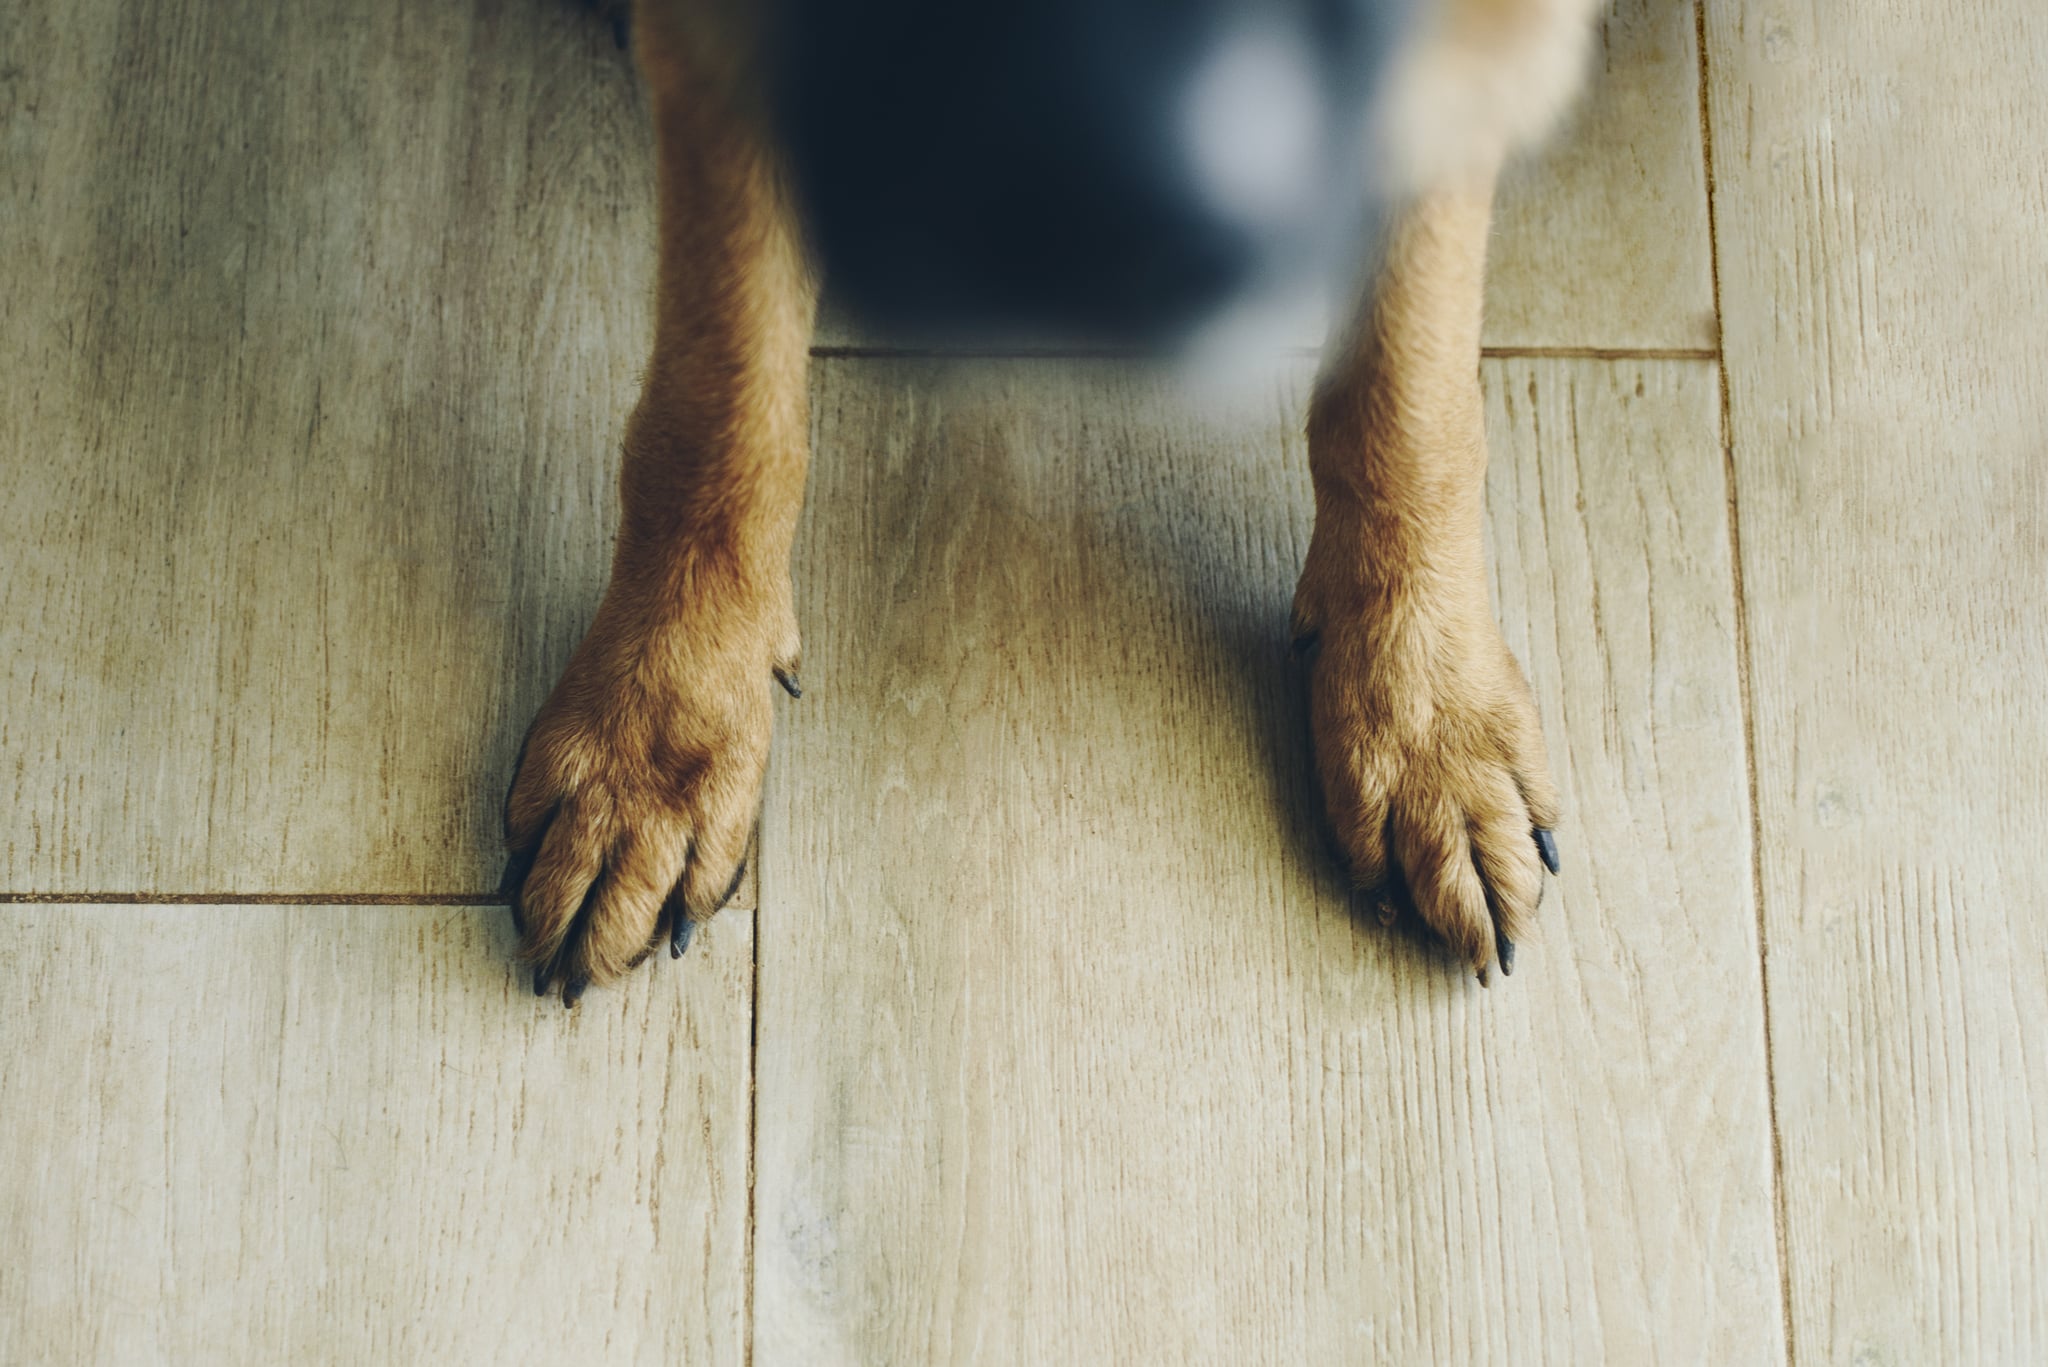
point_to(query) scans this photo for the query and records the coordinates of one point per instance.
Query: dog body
(637, 789)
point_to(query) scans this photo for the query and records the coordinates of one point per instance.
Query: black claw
(1546, 847)
(540, 982)
(789, 683)
(1393, 903)
(572, 990)
(509, 885)
(1485, 978)
(681, 927)
(1507, 955)
(732, 887)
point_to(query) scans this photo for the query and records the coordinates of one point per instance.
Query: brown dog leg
(1427, 744)
(640, 780)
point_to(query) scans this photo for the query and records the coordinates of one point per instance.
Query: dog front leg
(639, 784)
(1427, 745)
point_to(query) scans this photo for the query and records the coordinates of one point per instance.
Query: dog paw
(1432, 767)
(638, 789)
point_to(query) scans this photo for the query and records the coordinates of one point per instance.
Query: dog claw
(789, 683)
(572, 991)
(1507, 955)
(1546, 847)
(679, 935)
(540, 982)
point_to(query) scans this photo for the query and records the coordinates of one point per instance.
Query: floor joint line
(1780, 1221)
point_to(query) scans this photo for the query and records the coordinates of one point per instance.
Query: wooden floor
(1048, 1035)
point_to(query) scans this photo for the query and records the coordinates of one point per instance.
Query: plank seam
(753, 1099)
(1556, 353)
(1746, 693)
(261, 899)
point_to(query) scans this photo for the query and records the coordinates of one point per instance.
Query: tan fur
(642, 773)
(1428, 749)
(1427, 746)
(641, 777)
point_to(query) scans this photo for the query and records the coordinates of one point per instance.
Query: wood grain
(320, 368)
(1601, 238)
(244, 1134)
(1071, 1047)
(319, 329)
(1881, 196)
(316, 333)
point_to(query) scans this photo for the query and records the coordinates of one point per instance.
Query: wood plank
(244, 1134)
(1602, 238)
(324, 444)
(1883, 227)
(1071, 1046)
(319, 329)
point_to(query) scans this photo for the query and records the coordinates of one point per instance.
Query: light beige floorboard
(310, 496)
(317, 328)
(1601, 239)
(1883, 227)
(1070, 1048)
(241, 1134)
